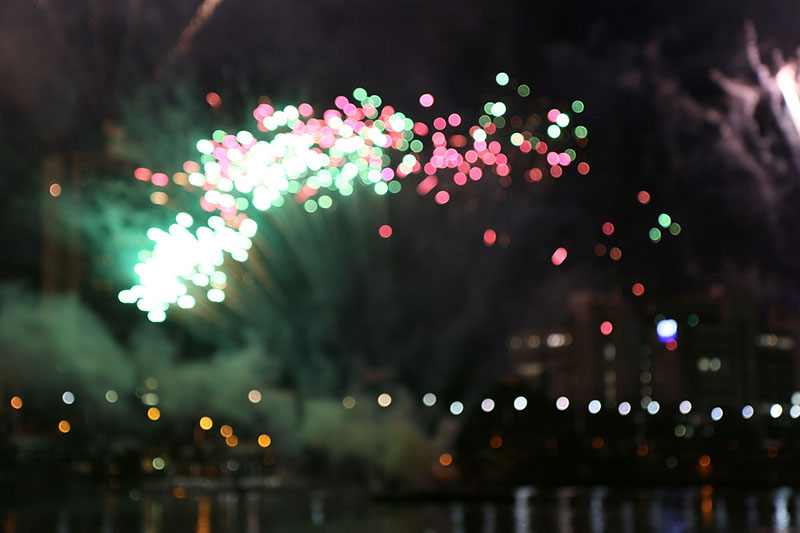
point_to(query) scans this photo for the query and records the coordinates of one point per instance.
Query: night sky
(96, 82)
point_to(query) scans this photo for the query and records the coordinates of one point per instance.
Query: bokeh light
(594, 407)
(562, 403)
(385, 231)
(559, 256)
(426, 100)
(520, 403)
(384, 400)
(429, 399)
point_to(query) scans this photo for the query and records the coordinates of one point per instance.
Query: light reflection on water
(531, 510)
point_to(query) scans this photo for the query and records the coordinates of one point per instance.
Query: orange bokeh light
(16, 402)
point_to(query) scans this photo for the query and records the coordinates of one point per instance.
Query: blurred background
(395, 266)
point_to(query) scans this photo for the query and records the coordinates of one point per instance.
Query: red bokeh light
(559, 256)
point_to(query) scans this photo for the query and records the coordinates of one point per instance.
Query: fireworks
(361, 142)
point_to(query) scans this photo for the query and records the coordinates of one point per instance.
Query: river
(528, 510)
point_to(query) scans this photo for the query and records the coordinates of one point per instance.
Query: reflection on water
(531, 510)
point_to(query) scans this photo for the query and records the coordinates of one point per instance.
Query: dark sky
(71, 71)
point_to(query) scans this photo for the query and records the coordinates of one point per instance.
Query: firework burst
(316, 160)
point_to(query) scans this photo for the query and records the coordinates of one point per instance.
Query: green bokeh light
(655, 234)
(501, 79)
(664, 220)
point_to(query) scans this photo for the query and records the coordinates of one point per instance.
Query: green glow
(381, 188)
(664, 220)
(218, 135)
(523, 90)
(395, 186)
(693, 320)
(484, 120)
(675, 228)
(501, 79)
(500, 122)
(553, 131)
(310, 205)
(498, 109)
(325, 201)
(487, 107)
(479, 135)
(581, 132)
(571, 153)
(416, 146)
(577, 106)
(655, 234)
